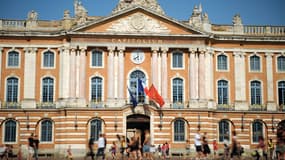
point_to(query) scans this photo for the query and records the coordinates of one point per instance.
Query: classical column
(271, 106)
(110, 95)
(209, 77)
(201, 76)
(121, 74)
(29, 78)
(82, 77)
(1, 49)
(64, 75)
(73, 74)
(164, 73)
(240, 81)
(154, 66)
(194, 86)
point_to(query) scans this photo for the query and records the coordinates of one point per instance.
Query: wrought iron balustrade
(225, 107)
(96, 104)
(46, 105)
(257, 107)
(11, 105)
(178, 105)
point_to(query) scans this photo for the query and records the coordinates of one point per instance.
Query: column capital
(1, 49)
(30, 49)
(164, 49)
(154, 48)
(268, 54)
(111, 48)
(121, 48)
(239, 54)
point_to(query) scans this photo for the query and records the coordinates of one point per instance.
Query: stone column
(121, 75)
(1, 49)
(154, 66)
(271, 106)
(82, 78)
(64, 76)
(201, 76)
(110, 95)
(73, 75)
(240, 81)
(164, 73)
(29, 78)
(209, 79)
(194, 96)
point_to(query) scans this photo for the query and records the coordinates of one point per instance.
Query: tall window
(97, 59)
(48, 59)
(177, 93)
(13, 59)
(10, 131)
(46, 131)
(48, 89)
(12, 90)
(224, 130)
(255, 92)
(254, 63)
(257, 131)
(179, 130)
(95, 128)
(96, 89)
(222, 62)
(177, 60)
(281, 93)
(281, 63)
(134, 77)
(223, 92)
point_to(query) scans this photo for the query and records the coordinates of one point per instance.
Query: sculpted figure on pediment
(32, 16)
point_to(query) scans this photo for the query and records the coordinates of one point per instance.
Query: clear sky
(253, 12)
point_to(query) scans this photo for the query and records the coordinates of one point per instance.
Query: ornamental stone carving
(138, 22)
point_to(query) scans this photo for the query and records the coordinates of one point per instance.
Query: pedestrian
(215, 147)
(159, 151)
(270, 148)
(146, 145)
(167, 149)
(36, 147)
(31, 146)
(262, 147)
(101, 146)
(163, 150)
(91, 148)
(19, 154)
(205, 146)
(226, 147)
(114, 150)
(198, 144)
(133, 147)
(123, 146)
(69, 153)
(235, 153)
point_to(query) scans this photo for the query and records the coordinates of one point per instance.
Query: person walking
(270, 148)
(101, 146)
(198, 144)
(215, 148)
(36, 147)
(69, 153)
(91, 148)
(205, 146)
(114, 150)
(31, 146)
(146, 146)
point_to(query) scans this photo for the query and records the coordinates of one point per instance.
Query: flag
(142, 87)
(133, 99)
(155, 96)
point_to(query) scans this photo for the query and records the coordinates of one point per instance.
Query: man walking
(101, 147)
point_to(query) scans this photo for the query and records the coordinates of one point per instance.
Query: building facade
(68, 80)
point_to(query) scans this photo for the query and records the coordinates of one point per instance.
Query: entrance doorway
(136, 125)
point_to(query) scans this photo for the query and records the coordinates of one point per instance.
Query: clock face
(137, 56)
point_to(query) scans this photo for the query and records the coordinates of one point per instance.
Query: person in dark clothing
(36, 147)
(31, 146)
(91, 148)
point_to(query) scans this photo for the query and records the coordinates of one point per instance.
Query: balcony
(96, 104)
(282, 107)
(46, 105)
(257, 107)
(225, 107)
(11, 105)
(177, 105)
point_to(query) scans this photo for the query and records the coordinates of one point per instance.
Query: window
(97, 59)
(134, 77)
(12, 90)
(179, 130)
(13, 59)
(46, 131)
(177, 93)
(281, 63)
(254, 63)
(281, 93)
(224, 130)
(48, 59)
(177, 60)
(96, 89)
(255, 88)
(222, 62)
(10, 131)
(222, 92)
(257, 131)
(47, 90)
(95, 128)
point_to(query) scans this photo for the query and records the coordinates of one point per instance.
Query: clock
(137, 56)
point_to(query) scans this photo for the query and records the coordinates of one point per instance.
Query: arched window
(281, 63)
(134, 77)
(10, 131)
(222, 62)
(13, 59)
(223, 95)
(179, 130)
(48, 59)
(95, 129)
(46, 131)
(177, 91)
(177, 59)
(281, 93)
(257, 131)
(254, 63)
(224, 130)
(96, 89)
(12, 90)
(255, 92)
(97, 58)
(47, 90)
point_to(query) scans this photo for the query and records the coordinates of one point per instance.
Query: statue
(80, 12)
(66, 14)
(32, 16)
(237, 20)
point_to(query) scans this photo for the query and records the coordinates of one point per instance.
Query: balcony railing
(178, 105)
(225, 107)
(282, 107)
(94, 104)
(11, 105)
(46, 105)
(257, 107)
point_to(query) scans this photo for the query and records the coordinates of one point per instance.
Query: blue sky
(254, 12)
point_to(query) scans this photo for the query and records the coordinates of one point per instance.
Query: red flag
(154, 95)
